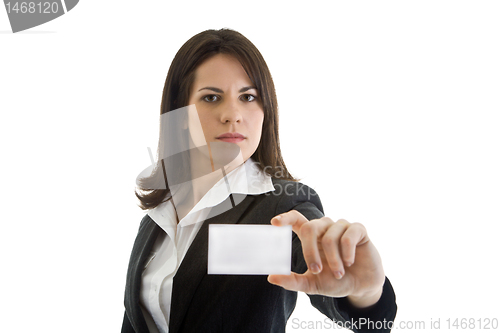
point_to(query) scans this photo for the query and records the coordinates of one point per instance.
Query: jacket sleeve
(126, 326)
(379, 317)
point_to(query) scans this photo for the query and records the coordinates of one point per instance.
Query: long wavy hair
(178, 84)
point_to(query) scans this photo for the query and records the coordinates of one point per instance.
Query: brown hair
(176, 91)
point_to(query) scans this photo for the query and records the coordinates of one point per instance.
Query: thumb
(294, 281)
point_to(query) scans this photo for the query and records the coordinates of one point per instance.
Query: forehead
(222, 69)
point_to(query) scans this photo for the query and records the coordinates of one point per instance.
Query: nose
(230, 113)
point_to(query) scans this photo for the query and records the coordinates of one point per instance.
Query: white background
(389, 109)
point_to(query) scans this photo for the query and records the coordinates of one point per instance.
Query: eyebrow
(220, 91)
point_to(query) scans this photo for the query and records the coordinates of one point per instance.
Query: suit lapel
(143, 245)
(194, 265)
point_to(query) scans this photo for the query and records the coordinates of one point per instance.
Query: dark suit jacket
(238, 303)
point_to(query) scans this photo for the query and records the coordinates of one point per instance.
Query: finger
(293, 218)
(354, 235)
(294, 281)
(310, 233)
(332, 249)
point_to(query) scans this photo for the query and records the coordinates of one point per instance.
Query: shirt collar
(245, 179)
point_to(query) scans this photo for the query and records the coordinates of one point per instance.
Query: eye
(248, 97)
(211, 98)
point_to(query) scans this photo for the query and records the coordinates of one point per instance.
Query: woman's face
(228, 104)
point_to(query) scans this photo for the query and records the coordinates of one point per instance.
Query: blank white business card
(249, 249)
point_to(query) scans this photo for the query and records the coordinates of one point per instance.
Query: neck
(189, 193)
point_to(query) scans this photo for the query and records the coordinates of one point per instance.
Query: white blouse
(171, 246)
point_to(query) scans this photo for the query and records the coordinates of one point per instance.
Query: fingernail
(338, 275)
(314, 268)
(278, 217)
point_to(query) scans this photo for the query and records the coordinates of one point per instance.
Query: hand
(341, 260)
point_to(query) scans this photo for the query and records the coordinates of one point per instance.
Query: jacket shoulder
(298, 196)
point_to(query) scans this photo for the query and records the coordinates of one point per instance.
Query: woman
(224, 80)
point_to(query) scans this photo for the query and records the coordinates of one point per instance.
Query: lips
(231, 137)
